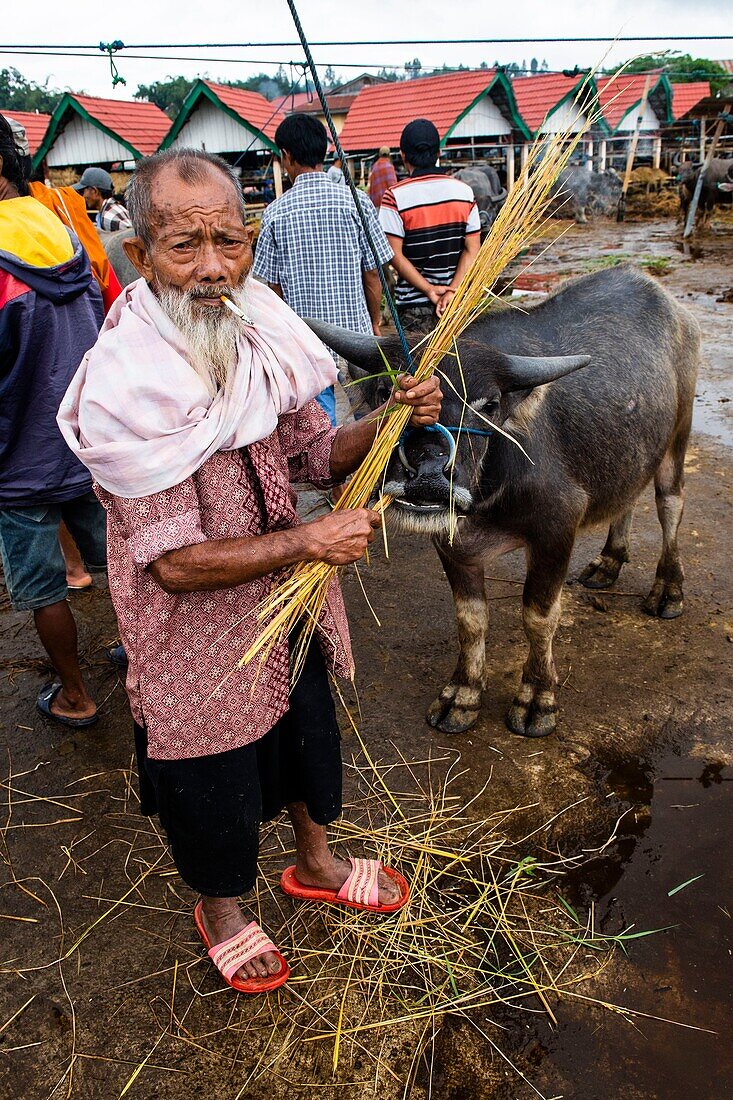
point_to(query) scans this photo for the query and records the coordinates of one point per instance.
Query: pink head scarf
(140, 418)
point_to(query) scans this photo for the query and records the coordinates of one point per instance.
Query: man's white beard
(210, 334)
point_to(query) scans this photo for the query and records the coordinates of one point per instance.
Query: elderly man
(194, 421)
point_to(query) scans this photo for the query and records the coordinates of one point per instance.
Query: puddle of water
(679, 828)
(712, 412)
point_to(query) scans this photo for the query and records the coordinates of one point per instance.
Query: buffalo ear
(524, 372)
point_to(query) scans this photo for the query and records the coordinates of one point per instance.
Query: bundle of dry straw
(300, 597)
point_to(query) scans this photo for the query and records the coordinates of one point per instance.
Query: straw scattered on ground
(487, 925)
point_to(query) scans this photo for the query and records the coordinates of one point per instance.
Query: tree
(25, 95)
(167, 94)
(681, 68)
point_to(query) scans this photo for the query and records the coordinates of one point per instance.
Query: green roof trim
(201, 90)
(593, 104)
(663, 86)
(504, 83)
(55, 126)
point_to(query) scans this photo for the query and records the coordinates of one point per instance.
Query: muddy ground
(644, 735)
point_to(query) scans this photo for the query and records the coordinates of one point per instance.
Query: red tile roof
(381, 111)
(685, 96)
(35, 125)
(142, 125)
(618, 95)
(298, 99)
(337, 104)
(536, 96)
(727, 65)
(263, 114)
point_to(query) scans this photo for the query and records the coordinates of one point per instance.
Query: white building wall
(649, 119)
(483, 120)
(82, 143)
(566, 117)
(210, 129)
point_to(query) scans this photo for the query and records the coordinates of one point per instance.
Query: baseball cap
(95, 177)
(420, 136)
(20, 140)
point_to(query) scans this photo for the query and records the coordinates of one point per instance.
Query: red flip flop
(229, 955)
(360, 891)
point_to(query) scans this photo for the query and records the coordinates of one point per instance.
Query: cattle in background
(597, 382)
(112, 244)
(487, 190)
(716, 188)
(579, 192)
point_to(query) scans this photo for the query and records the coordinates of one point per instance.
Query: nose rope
(447, 431)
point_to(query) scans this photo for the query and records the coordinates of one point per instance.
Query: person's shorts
(34, 567)
(211, 807)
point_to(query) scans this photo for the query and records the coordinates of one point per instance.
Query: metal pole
(690, 223)
(352, 187)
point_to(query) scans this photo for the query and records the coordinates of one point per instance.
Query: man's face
(200, 244)
(92, 198)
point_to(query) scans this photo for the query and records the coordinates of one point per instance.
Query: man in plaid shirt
(312, 249)
(97, 189)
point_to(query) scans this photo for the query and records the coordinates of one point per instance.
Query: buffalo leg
(457, 706)
(665, 598)
(603, 571)
(532, 714)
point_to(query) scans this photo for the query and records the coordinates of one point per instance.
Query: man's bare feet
(331, 873)
(222, 918)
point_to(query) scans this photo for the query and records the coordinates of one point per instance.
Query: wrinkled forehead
(208, 199)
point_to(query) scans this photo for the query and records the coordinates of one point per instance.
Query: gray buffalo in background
(717, 185)
(487, 190)
(579, 192)
(597, 383)
(112, 244)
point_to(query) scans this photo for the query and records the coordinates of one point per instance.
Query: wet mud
(643, 754)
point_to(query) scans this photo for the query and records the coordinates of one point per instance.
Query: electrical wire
(426, 70)
(386, 42)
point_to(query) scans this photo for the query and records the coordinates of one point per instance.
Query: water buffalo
(487, 190)
(116, 255)
(716, 187)
(579, 192)
(597, 383)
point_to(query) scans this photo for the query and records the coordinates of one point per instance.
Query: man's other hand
(444, 302)
(342, 537)
(424, 397)
(436, 294)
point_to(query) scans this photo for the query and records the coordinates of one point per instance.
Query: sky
(46, 22)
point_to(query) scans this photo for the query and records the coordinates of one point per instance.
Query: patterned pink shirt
(183, 679)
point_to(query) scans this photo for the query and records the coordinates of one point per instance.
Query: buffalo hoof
(531, 720)
(664, 601)
(455, 710)
(601, 573)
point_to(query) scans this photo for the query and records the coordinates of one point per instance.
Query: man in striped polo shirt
(432, 223)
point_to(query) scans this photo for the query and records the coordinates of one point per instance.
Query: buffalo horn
(525, 371)
(356, 347)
